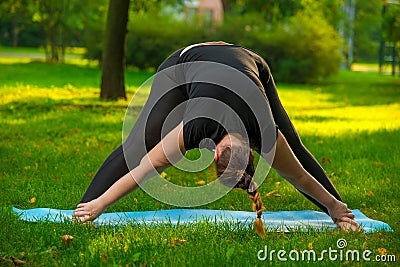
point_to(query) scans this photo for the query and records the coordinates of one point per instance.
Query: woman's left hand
(89, 211)
(346, 224)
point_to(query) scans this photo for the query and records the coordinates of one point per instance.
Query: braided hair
(233, 177)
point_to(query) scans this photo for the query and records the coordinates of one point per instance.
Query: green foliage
(151, 38)
(392, 24)
(367, 30)
(302, 50)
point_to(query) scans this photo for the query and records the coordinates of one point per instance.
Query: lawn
(55, 133)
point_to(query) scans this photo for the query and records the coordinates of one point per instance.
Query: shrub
(152, 38)
(302, 49)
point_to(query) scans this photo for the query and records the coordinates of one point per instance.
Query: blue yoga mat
(286, 221)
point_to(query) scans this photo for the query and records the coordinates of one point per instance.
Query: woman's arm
(169, 150)
(288, 166)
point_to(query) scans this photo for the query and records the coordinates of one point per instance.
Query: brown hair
(230, 174)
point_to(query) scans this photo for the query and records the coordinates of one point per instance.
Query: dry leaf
(184, 183)
(2, 259)
(104, 257)
(382, 251)
(178, 240)
(67, 239)
(326, 160)
(277, 195)
(309, 245)
(135, 199)
(17, 262)
(201, 182)
(370, 194)
(163, 174)
(277, 184)
(32, 200)
(270, 193)
(378, 164)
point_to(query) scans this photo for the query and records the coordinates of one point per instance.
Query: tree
(16, 12)
(113, 59)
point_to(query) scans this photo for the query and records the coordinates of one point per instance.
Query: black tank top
(226, 94)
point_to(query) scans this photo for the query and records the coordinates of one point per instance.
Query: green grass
(55, 133)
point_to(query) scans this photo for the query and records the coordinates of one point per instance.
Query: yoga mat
(300, 220)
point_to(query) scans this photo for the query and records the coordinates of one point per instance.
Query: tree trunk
(113, 60)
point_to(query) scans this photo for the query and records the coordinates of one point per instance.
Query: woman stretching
(223, 96)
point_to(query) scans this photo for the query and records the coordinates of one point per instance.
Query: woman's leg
(307, 160)
(144, 136)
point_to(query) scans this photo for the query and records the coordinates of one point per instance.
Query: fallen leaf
(201, 182)
(163, 174)
(370, 193)
(184, 183)
(270, 193)
(2, 259)
(382, 251)
(277, 195)
(90, 174)
(309, 245)
(135, 199)
(326, 160)
(32, 200)
(178, 240)
(67, 239)
(277, 184)
(17, 262)
(104, 257)
(378, 164)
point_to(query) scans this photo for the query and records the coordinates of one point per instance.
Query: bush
(303, 49)
(152, 38)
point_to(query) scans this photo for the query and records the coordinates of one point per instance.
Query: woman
(204, 108)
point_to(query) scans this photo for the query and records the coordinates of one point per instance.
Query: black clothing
(197, 101)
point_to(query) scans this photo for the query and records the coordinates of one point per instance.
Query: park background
(68, 69)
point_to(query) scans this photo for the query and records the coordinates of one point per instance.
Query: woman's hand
(343, 217)
(89, 211)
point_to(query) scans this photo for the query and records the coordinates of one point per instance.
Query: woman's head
(235, 169)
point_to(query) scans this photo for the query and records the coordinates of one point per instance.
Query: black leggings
(307, 160)
(115, 166)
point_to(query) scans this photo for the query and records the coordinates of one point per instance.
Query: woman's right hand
(343, 217)
(89, 211)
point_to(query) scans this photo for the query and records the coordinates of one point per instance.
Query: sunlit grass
(55, 133)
